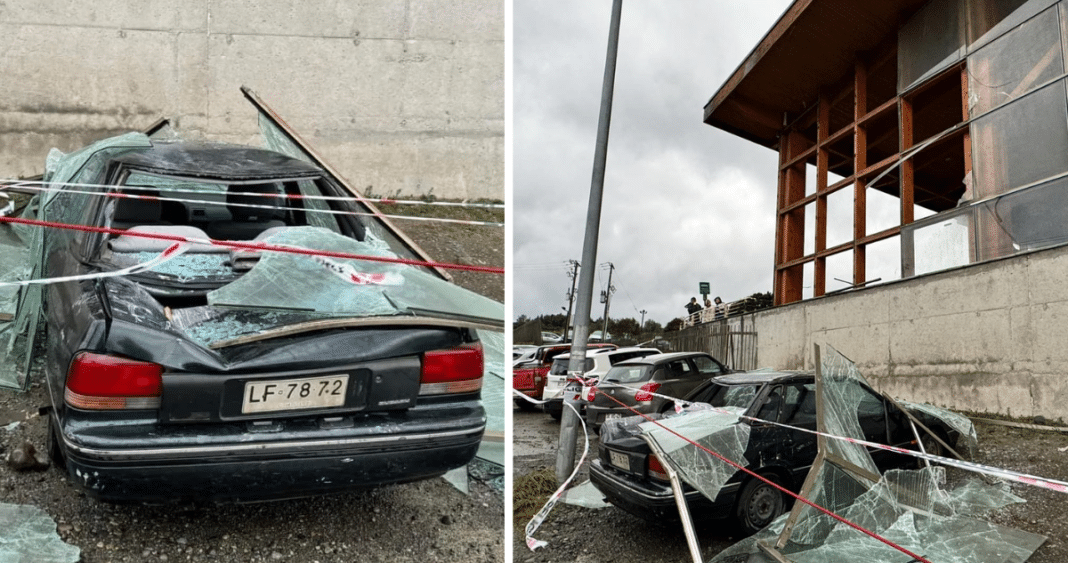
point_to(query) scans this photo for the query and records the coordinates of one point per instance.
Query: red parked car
(529, 377)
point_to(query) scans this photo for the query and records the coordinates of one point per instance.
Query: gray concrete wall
(402, 97)
(988, 338)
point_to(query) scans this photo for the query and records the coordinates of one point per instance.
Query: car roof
(657, 359)
(762, 376)
(609, 352)
(216, 161)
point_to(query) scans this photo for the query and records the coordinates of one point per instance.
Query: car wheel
(557, 415)
(758, 504)
(931, 446)
(525, 405)
(53, 444)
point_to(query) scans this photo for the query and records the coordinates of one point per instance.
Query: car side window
(799, 407)
(770, 409)
(706, 366)
(679, 369)
(871, 412)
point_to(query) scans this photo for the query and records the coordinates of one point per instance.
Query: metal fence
(732, 341)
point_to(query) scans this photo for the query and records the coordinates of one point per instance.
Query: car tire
(557, 415)
(525, 405)
(53, 444)
(931, 446)
(758, 504)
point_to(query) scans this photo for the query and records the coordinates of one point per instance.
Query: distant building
(923, 156)
(913, 136)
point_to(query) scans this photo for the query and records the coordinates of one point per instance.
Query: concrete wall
(402, 97)
(987, 338)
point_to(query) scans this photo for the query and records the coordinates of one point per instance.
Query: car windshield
(740, 396)
(628, 374)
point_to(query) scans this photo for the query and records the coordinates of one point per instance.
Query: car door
(676, 379)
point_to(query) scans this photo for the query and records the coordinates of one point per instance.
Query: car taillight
(656, 469)
(456, 370)
(591, 394)
(101, 382)
(646, 393)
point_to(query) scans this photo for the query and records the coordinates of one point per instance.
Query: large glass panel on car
(286, 281)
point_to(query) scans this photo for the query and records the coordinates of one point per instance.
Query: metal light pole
(565, 455)
(641, 327)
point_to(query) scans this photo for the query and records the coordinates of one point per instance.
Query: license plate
(612, 416)
(294, 394)
(619, 460)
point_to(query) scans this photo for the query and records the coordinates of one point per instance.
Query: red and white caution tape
(349, 274)
(255, 246)
(172, 251)
(539, 518)
(125, 195)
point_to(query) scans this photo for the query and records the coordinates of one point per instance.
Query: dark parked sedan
(644, 383)
(637, 482)
(244, 370)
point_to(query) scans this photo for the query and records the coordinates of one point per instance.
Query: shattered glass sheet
(297, 282)
(208, 325)
(29, 534)
(909, 508)
(493, 379)
(718, 431)
(968, 444)
(842, 396)
(14, 265)
(17, 339)
(276, 140)
(586, 496)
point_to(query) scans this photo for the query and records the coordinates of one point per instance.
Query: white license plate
(619, 460)
(612, 416)
(294, 394)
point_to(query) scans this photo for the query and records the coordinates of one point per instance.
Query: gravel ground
(610, 534)
(425, 521)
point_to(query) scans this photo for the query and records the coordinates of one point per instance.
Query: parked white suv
(598, 362)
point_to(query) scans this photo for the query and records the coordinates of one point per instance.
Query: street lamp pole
(565, 456)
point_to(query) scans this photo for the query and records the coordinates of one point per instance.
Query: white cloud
(683, 202)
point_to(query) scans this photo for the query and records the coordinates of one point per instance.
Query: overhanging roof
(813, 45)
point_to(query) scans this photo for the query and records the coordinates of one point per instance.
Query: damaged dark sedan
(275, 365)
(633, 478)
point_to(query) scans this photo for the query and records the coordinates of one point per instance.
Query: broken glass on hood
(348, 287)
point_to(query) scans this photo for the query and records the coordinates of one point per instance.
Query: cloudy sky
(683, 202)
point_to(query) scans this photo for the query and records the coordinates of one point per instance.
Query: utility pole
(641, 327)
(573, 274)
(607, 301)
(565, 453)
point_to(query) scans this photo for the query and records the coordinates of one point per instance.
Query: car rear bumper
(654, 501)
(596, 416)
(290, 460)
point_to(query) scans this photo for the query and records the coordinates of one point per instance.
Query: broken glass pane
(27, 533)
(908, 508)
(296, 282)
(715, 430)
(276, 140)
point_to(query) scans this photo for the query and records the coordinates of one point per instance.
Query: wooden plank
(277, 120)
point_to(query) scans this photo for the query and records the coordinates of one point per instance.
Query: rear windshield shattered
(298, 282)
